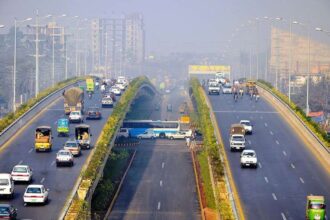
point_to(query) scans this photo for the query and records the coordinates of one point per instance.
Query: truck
(237, 137)
(43, 138)
(237, 129)
(250, 86)
(315, 207)
(214, 88)
(90, 85)
(73, 100)
(83, 136)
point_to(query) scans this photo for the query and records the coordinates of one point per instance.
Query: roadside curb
(119, 187)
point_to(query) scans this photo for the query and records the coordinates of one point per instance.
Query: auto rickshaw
(83, 136)
(43, 138)
(63, 127)
(315, 208)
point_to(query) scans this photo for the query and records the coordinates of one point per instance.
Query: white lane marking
(52, 163)
(261, 117)
(283, 216)
(259, 164)
(20, 162)
(274, 196)
(161, 183)
(301, 180)
(266, 179)
(249, 142)
(271, 132)
(237, 116)
(158, 207)
(42, 180)
(30, 150)
(163, 165)
(266, 124)
(293, 166)
(284, 153)
(278, 143)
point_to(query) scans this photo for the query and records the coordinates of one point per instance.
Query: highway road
(287, 170)
(61, 180)
(160, 183)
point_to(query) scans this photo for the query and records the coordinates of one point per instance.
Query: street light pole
(290, 60)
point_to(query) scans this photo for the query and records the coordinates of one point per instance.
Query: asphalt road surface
(160, 183)
(59, 180)
(287, 170)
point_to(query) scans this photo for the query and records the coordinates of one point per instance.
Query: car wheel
(139, 137)
(242, 165)
(231, 149)
(152, 137)
(171, 138)
(25, 204)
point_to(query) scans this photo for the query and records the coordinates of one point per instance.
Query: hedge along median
(78, 208)
(11, 117)
(313, 126)
(210, 152)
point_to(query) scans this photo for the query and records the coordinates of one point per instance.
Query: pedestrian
(188, 141)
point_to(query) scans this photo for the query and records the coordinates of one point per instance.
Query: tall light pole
(257, 23)
(14, 71)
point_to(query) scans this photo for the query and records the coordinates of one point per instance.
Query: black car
(7, 211)
(94, 113)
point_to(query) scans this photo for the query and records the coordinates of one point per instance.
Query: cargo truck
(73, 100)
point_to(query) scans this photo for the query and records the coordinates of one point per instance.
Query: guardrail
(12, 129)
(295, 115)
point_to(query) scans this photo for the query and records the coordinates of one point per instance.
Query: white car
(226, 89)
(64, 157)
(247, 126)
(121, 86)
(76, 116)
(249, 158)
(107, 102)
(35, 194)
(147, 135)
(115, 90)
(180, 135)
(237, 142)
(22, 173)
(6, 185)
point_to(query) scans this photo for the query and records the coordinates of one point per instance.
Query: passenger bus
(161, 128)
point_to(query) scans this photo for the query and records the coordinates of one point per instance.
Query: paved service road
(160, 183)
(61, 180)
(287, 171)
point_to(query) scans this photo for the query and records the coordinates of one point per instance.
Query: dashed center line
(42, 180)
(158, 207)
(301, 180)
(20, 162)
(52, 163)
(271, 132)
(274, 196)
(261, 117)
(249, 142)
(293, 166)
(259, 164)
(266, 179)
(161, 183)
(163, 165)
(30, 150)
(278, 143)
(284, 153)
(266, 125)
(283, 216)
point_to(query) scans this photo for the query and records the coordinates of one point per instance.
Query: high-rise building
(118, 44)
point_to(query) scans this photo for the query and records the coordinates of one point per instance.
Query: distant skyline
(177, 25)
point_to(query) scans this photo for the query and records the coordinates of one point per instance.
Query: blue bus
(136, 127)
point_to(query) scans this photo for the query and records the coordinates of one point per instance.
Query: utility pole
(37, 55)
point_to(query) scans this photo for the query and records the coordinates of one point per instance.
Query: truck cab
(315, 208)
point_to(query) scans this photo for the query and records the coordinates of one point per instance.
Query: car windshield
(75, 113)
(4, 182)
(238, 138)
(20, 169)
(4, 210)
(316, 206)
(249, 154)
(33, 190)
(71, 144)
(245, 123)
(64, 153)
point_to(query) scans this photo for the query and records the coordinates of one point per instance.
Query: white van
(6, 185)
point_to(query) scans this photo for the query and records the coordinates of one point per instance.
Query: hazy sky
(178, 25)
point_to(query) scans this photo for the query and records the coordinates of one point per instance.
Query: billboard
(208, 69)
